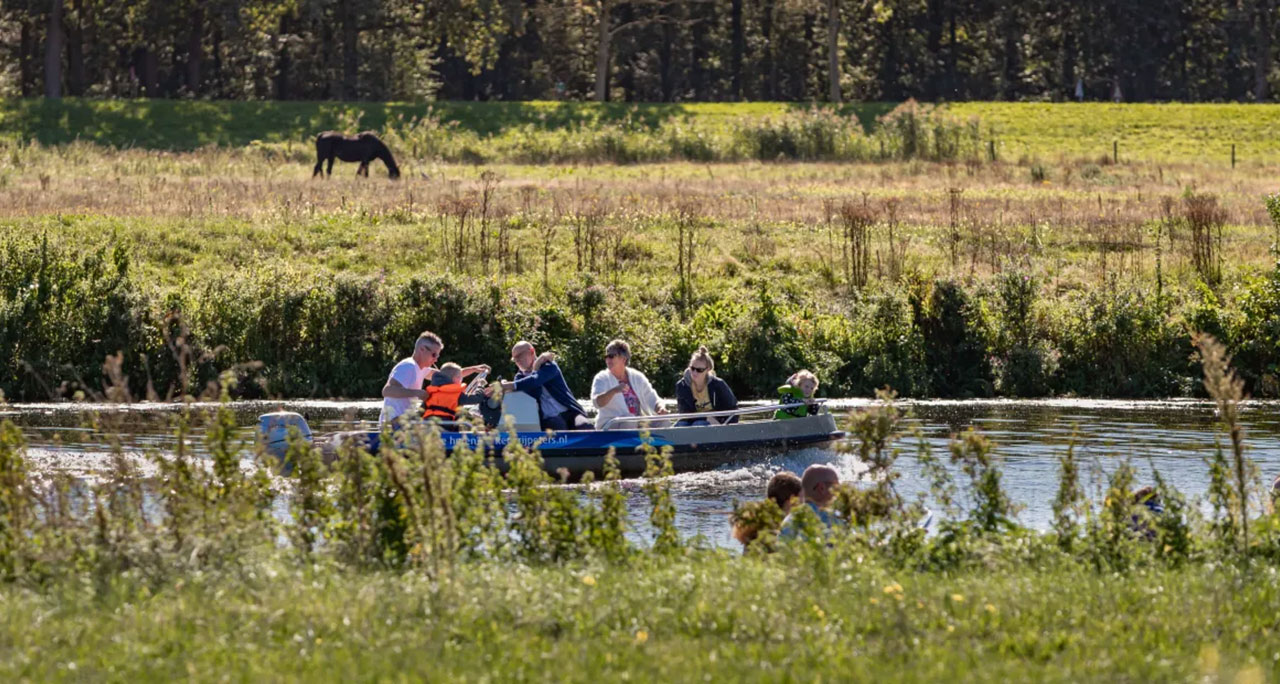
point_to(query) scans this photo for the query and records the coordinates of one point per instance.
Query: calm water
(1173, 436)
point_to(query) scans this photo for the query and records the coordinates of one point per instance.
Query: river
(1173, 436)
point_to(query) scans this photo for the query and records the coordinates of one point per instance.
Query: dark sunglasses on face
(610, 356)
(698, 370)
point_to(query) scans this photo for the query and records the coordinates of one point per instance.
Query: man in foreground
(818, 485)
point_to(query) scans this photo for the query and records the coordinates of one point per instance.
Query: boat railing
(747, 411)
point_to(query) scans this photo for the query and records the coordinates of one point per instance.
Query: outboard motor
(273, 430)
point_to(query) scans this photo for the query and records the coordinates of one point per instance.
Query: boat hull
(693, 448)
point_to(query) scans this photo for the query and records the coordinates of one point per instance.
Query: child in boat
(798, 390)
(446, 392)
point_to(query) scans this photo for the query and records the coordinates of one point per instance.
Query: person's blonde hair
(802, 376)
(451, 370)
(703, 354)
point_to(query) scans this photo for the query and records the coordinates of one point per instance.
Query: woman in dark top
(699, 391)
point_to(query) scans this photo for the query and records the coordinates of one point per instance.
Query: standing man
(541, 379)
(404, 385)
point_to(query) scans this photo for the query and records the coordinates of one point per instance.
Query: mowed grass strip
(1169, 132)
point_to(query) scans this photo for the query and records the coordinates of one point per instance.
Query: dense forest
(640, 50)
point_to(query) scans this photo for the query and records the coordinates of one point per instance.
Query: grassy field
(235, 250)
(704, 615)
(1170, 133)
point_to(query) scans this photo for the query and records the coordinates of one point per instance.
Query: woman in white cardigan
(620, 390)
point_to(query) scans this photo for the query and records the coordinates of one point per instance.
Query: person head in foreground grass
(818, 485)
(782, 493)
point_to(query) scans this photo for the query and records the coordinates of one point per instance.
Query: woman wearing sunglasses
(699, 390)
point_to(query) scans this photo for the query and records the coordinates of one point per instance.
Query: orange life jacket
(442, 401)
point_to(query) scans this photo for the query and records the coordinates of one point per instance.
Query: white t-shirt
(408, 375)
(645, 399)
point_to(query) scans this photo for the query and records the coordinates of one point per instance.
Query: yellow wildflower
(990, 608)
(589, 580)
(641, 636)
(957, 598)
(1209, 659)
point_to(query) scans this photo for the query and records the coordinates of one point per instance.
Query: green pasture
(1170, 132)
(708, 615)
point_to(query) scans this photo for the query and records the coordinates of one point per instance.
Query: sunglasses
(610, 356)
(698, 370)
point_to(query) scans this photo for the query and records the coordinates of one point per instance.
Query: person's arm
(535, 379)
(601, 397)
(727, 401)
(394, 390)
(543, 359)
(471, 370)
(684, 398)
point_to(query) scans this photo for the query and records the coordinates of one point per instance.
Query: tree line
(640, 50)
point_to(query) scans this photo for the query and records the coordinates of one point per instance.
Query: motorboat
(751, 432)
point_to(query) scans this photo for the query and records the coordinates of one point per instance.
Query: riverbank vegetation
(411, 563)
(936, 278)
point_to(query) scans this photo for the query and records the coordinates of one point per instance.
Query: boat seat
(523, 410)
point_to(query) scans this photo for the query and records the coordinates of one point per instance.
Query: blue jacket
(548, 378)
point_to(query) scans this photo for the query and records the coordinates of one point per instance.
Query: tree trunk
(1262, 61)
(953, 85)
(1069, 65)
(1012, 59)
(833, 49)
(283, 61)
(75, 52)
(739, 47)
(934, 18)
(150, 72)
(53, 43)
(667, 58)
(604, 38)
(27, 58)
(770, 60)
(350, 60)
(195, 50)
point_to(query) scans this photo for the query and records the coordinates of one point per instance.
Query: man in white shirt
(404, 385)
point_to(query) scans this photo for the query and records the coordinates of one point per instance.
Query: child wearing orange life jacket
(445, 393)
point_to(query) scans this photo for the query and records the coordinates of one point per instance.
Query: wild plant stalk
(657, 487)
(856, 220)
(1070, 496)
(687, 243)
(1204, 220)
(1227, 390)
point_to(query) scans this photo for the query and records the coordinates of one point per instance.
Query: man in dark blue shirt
(540, 378)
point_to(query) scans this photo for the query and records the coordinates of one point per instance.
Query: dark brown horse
(362, 148)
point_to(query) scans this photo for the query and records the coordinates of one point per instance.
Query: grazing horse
(362, 148)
